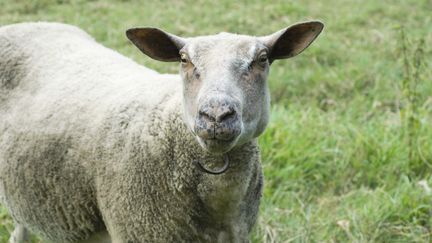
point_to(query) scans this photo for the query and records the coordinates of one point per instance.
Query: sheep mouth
(219, 140)
(217, 146)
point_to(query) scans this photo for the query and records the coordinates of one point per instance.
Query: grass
(347, 156)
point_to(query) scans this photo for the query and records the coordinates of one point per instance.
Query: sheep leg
(19, 235)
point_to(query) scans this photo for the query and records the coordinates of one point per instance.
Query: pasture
(347, 155)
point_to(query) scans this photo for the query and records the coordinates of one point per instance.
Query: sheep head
(225, 93)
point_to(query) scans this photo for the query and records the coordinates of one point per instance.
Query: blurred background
(347, 156)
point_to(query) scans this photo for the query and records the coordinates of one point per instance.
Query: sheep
(96, 148)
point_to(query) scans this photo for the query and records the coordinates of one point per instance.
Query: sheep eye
(183, 58)
(263, 58)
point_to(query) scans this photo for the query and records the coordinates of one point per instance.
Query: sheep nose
(218, 119)
(218, 114)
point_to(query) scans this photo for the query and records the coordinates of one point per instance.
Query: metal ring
(217, 171)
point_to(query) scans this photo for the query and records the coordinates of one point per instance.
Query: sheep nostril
(206, 116)
(226, 115)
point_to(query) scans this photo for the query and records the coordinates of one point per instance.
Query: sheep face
(225, 94)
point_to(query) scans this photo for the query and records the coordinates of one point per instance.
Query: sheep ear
(156, 43)
(291, 41)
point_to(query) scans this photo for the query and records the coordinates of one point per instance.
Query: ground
(347, 156)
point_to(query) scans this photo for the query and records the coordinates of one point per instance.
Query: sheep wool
(90, 142)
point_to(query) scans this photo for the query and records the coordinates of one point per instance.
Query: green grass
(337, 158)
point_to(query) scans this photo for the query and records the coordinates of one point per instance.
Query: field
(347, 156)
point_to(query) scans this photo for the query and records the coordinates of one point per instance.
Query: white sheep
(96, 148)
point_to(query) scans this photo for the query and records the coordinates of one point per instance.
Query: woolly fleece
(91, 141)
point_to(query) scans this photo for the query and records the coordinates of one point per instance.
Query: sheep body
(91, 141)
